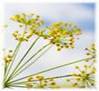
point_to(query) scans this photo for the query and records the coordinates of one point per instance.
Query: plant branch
(30, 59)
(14, 56)
(32, 62)
(56, 77)
(15, 69)
(53, 68)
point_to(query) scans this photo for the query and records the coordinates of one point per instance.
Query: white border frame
(2, 4)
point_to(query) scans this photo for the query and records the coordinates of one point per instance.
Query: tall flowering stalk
(61, 34)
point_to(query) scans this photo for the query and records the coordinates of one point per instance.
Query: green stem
(15, 69)
(14, 56)
(20, 86)
(53, 68)
(5, 69)
(56, 77)
(32, 62)
(30, 59)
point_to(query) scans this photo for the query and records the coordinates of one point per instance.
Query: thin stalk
(56, 77)
(20, 86)
(30, 59)
(32, 62)
(53, 68)
(23, 57)
(14, 56)
(5, 69)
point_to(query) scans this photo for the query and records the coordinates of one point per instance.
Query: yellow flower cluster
(24, 36)
(30, 22)
(84, 77)
(91, 52)
(63, 34)
(8, 57)
(28, 19)
(40, 82)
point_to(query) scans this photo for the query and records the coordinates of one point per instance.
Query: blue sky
(89, 24)
(81, 13)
